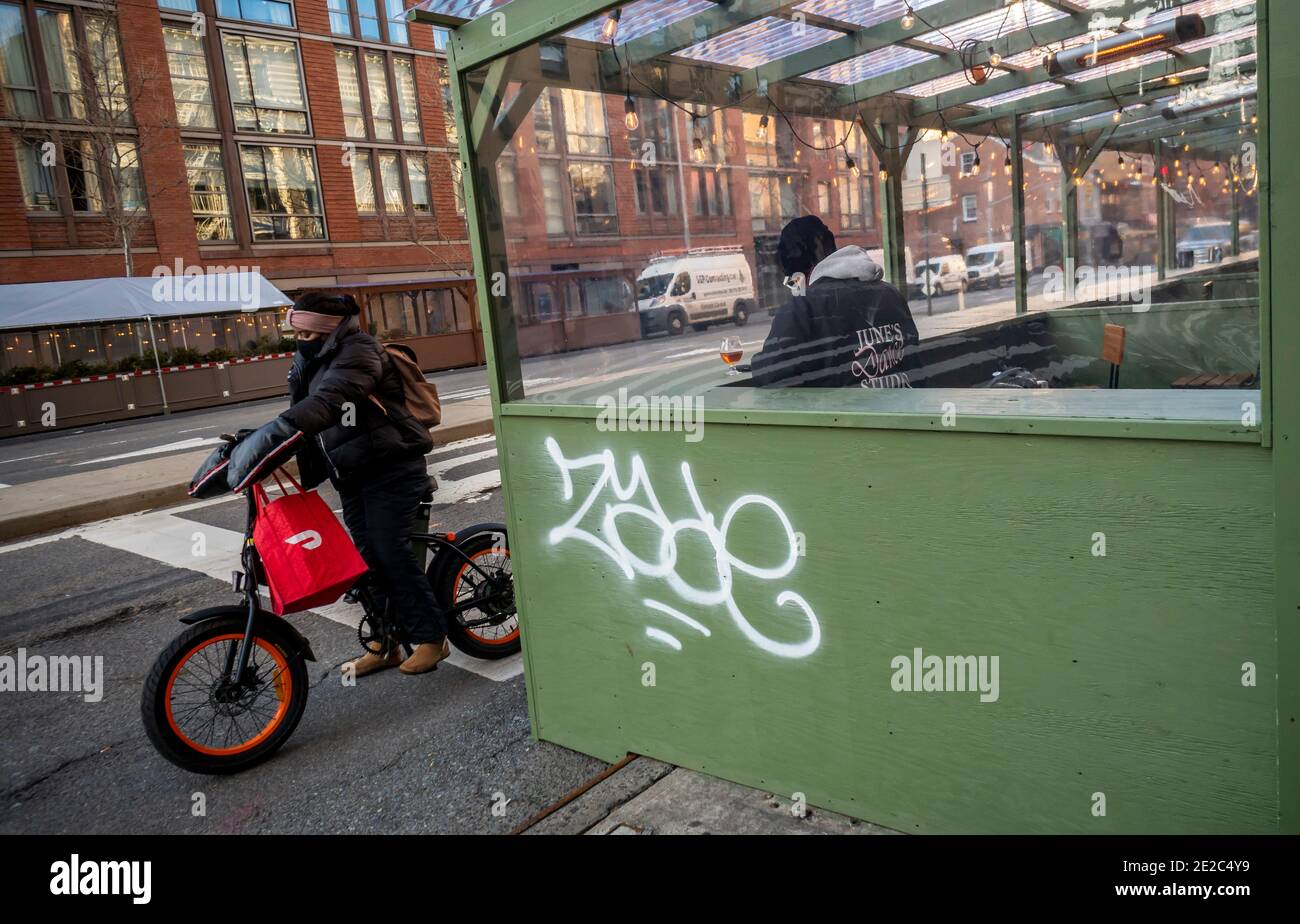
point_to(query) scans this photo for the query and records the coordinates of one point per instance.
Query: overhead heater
(1164, 34)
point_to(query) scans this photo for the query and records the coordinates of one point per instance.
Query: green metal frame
(481, 41)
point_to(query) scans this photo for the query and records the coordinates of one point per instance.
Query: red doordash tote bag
(308, 556)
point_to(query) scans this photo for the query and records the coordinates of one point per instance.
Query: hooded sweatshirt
(851, 329)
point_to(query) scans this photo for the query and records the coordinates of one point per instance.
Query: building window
(417, 175)
(969, 208)
(408, 107)
(36, 176)
(363, 183)
(458, 185)
(390, 180)
(967, 163)
(274, 12)
(354, 115)
(124, 172)
(449, 109)
(340, 17)
(61, 66)
(593, 198)
(508, 184)
(368, 15)
(83, 176)
(189, 73)
(712, 193)
(284, 199)
(381, 107)
(397, 32)
(850, 202)
(104, 60)
(16, 74)
(265, 84)
(584, 122)
(189, 6)
(209, 197)
(824, 198)
(655, 191)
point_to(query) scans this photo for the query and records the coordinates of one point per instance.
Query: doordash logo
(103, 877)
(308, 539)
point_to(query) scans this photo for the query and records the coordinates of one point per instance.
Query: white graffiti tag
(664, 567)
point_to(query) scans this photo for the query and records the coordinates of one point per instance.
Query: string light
(610, 29)
(852, 165)
(629, 114)
(909, 18)
(762, 128)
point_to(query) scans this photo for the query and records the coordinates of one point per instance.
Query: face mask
(310, 348)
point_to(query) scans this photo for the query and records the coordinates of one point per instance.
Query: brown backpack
(419, 395)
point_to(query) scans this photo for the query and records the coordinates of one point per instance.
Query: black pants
(379, 510)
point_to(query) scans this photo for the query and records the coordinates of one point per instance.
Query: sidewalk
(70, 500)
(644, 796)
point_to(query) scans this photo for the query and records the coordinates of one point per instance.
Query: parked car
(990, 266)
(698, 287)
(940, 276)
(1207, 242)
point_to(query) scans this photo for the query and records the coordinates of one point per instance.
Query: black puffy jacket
(849, 329)
(347, 434)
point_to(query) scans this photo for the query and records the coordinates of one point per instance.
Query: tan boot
(426, 657)
(370, 662)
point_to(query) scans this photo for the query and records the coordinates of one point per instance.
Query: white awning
(87, 301)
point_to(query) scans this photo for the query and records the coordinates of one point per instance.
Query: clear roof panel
(641, 18)
(864, 67)
(759, 42)
(863, 12)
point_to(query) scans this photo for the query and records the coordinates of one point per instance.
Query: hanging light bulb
(995, 59)
(975, 167)
(1118, 116)
(610, 28)
(697, 149)
(884, 174)
(852, 164)
(762, 128)
(1007, 165)
(945, 135)
(629, 114)
(908, 20)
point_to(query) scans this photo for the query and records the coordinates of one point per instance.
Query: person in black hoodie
(847, 327)
(348, 422)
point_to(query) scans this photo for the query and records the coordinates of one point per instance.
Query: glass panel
(209, 198)
(448, 111)
(190, 6)
(381, 109)
(275, 12)
(83, 176)
(15, 64)
(61, 65)
(363, 182)
(265, 84)
(36, 175)
(417, 173)
(189, 74)
(368, 14)
(124, 174)
(396, 12)
(390, 177)
(340, 17)
(104, 60)
(1140, 184)
(408, 107)
(283, 193)
(354, 116)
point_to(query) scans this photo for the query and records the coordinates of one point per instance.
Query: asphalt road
(46, 455)
(427, 754)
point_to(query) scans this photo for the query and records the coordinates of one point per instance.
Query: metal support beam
(1018, 216)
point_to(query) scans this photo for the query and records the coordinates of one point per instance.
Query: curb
(58, 518)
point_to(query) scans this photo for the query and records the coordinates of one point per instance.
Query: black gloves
(261, 452)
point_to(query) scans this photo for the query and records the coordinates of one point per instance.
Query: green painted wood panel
(1118, 674)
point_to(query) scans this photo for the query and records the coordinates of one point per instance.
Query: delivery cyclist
(347, 422)
(847, 327)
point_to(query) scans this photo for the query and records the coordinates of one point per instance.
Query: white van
(990, 266)
(942, 276)
(699, 287)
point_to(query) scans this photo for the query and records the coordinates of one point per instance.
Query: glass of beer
(731, 351)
